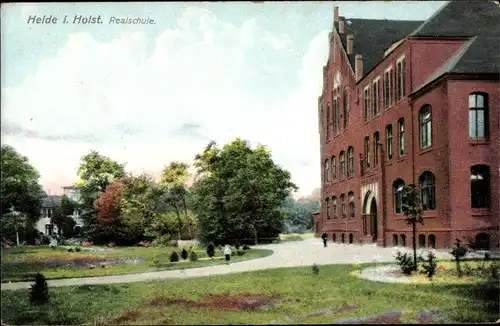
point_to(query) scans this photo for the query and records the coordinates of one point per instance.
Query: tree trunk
(414, 226)
(179, 223)
(17, 237)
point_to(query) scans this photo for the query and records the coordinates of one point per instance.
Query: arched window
(351, 238)
(403, 240)
(334, 207)
(342, 165)
(425, 115)
(334, 238)
(367, 152)
(397, 188)
(328, 208)
(327, 171)
(395, 240)
(421, 241)
(342, 238)
(334, 168)
(346, 108)
(389, 141)
(342, 206)
(352, 205)
(401, 137)
(432, 241)
(483, 241)
(350, 161)
(480, 186)
(478, 115)
(428, 189)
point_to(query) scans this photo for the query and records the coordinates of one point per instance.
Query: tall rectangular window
(367, 152)
(367, 103)
(376, 97)
(401, 137)
(478, 115)
(400, 79)
(346, 108)
(328, 122)
(388, 88)
(376, 139)
(388, 132)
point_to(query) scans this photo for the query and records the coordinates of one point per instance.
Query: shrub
(39, 293)
(78, 249)
(246, 247)
(193, 256)
(405, 263)
(111, 244)
(487, 256)
(162, 241)
(315, 269)
(430, 266)
(240, 252)
(184, 254)
(156, 261)
(210, 250)
(237, 246)
(70, 250)
(174, 257)
(458, 253)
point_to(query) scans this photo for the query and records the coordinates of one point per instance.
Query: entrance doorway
(374, 219)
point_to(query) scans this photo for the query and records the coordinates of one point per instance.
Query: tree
(96, 172)
(299, 214)
(413, 212)
(239, 193)
(106, 224)
(173, 179)
(61, 216)
(21, 193)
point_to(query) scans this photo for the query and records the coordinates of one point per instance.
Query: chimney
(359, 67)
(341, 25)
(350, 43)
(335, 14)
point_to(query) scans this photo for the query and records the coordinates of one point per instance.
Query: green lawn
(20, 264)
(296, 291)
(296, 236)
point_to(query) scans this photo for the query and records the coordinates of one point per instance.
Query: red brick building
(412, 102)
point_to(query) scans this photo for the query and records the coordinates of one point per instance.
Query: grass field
(296, 236)
(290, 295)
(20, 264)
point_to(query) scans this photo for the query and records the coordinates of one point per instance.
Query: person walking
(227, 253)
(325, 239)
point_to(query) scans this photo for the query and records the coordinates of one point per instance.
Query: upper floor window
(367, 152)
(334, 168)
(401, 137)
(350, 161)
(336, 115)
(346, 107)
(478, 115)
(398, 187)
(428, 189)
(342, 164)
(388, 88)
(480, 186)
(389, 140)
(334, 207)
(327, 171)
(367, 103)
(425, 116)
(376, 97)
(352, 205)
(327, 208)
(321, 120)
(376, 139)
(328, 122)
(400, 79)
(343, 206)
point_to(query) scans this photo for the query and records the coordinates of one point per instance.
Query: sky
(149, 94)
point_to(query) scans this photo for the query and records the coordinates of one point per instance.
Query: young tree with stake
(413, 212)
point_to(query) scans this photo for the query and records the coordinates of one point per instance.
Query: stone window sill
(430, 213)
(481, 212)
(479, 141)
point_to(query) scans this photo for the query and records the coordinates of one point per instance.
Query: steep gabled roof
(479, 19)
(372, 37)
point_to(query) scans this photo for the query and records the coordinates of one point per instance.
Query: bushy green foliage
(430, 265)
(405, 263)
(193, 256)
(78, 249)
(299, 214)
(39, 293)
(315, 269)
(174, 257)
(240, 252)
(246, 247)
(184, 254)
(210, 250)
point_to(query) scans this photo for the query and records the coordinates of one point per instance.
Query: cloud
(149, 101)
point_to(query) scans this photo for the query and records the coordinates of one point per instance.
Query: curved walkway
(287, 254)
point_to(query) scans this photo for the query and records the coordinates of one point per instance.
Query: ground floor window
(334, 238)
(49, 229)
(342, 238)
(421, 241)
(432, 241)
(351, 238)
(395, 240)
(403, 240)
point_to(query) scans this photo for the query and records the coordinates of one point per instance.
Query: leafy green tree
(299, 214)
(239, 193)
(61, 216)
(413, 212)
(21, 194)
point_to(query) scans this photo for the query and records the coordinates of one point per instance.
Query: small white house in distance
(44, 224)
